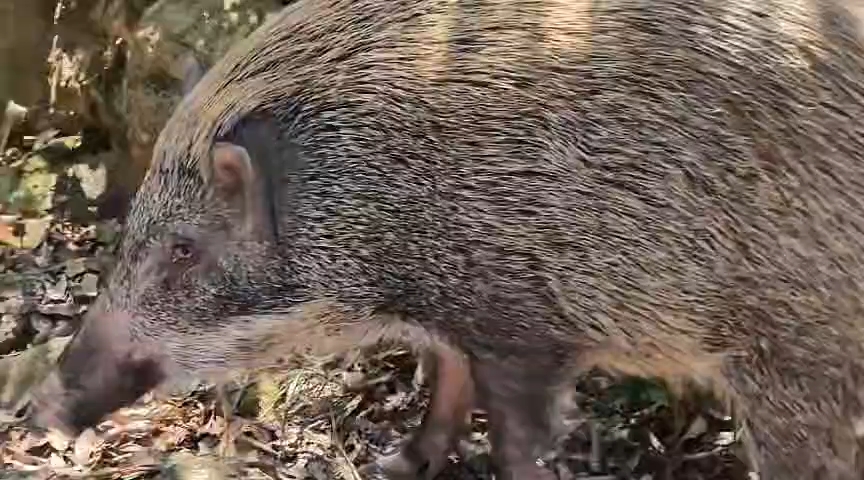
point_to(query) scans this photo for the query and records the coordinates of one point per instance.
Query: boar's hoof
(396, 466)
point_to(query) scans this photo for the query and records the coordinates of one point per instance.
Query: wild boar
(533, 187)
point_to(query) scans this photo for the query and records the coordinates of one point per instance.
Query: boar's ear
(232, 169)
(235, 180)
(249, 163)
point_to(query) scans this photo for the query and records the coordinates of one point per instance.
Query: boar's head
(197, 269)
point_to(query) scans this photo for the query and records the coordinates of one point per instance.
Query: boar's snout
(103, 368)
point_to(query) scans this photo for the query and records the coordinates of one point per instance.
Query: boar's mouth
(96, 375)
(72, 408)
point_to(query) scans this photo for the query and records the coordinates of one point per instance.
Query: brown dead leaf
(7, 234)
(215, 426)
(22, 458)
(85, 445)
(135, 427)
(171, 437)
(31, 441)
(34, 231)
(58, 440)
(56, 461)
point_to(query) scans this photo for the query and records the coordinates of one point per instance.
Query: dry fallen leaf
(215, 426)
(58, 440)
(56, 461)
(171, 437)
(697, 428)
(31, 441)
(84, 447)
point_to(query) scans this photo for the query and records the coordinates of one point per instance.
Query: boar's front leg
(518, 397)
(452, 397)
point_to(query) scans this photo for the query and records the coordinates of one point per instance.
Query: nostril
(24, 412)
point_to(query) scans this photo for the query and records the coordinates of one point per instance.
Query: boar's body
(671, 187)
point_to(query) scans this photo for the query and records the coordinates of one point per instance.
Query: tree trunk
(25, 41)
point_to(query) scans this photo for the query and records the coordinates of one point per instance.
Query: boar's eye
(182, 251)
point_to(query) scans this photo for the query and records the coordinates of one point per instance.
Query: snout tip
(47, 410)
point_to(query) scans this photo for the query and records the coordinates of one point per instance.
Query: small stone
(89, 285)
(76, 266)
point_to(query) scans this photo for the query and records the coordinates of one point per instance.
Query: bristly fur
(673, 186)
